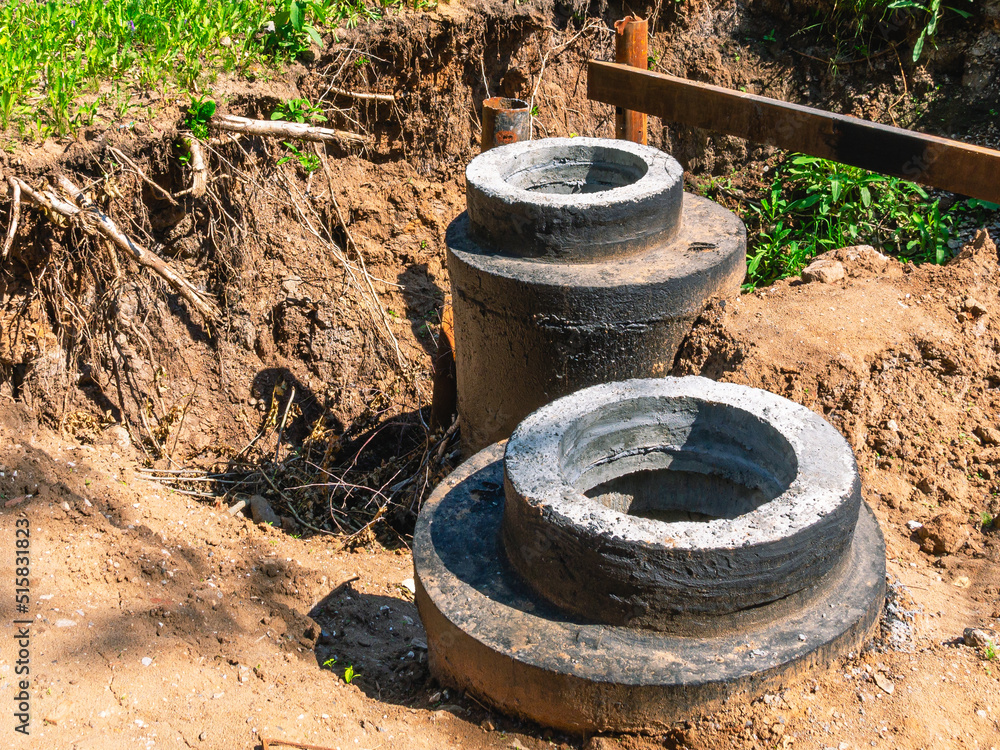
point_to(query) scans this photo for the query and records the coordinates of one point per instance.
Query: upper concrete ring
(573, 199)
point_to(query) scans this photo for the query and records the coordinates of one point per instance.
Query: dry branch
(15, 212)
(283, 129)
(97, 220)
(142, 175)
(363, 96)
(269, 743)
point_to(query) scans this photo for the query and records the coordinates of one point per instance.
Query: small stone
(914, 525)
(65, 623)
(488, 726)
(409, 585)
(203, 736)
(981, 713)
(146, 661)
(944, 534)
(262, 512)
(962, 582)
(977, 638)
(884, 683)
(973, 306)
(117, 436)
(824, 271)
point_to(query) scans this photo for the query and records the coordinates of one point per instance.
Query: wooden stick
(938, 162)
(631, 48)
(142, 176)
(15, 213)
(268, 744)
(283, 129)
(106, 227)
(363, 95)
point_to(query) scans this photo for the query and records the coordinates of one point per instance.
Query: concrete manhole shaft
(579, 261)
(645, 550)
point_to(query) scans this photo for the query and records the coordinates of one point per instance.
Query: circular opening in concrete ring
(575, 169)
(703, 464)
(694, 461)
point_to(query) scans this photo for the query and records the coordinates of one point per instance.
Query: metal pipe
(505, 121)
(631, 49)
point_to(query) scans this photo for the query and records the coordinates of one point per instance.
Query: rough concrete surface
(779, 484)
(528, 332)
(489, 634)
(574, 199)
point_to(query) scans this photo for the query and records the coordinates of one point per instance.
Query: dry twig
(269, 743)
(283, 129)
(142, 175)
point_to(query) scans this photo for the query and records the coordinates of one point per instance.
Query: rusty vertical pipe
(505, 121)
(631, 48)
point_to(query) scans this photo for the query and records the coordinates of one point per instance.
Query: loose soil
(160, 620)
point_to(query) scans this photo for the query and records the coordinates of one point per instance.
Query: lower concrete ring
(574, 199)
(652, 503)
(489, 634)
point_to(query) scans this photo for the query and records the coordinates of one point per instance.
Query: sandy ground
(159, 621)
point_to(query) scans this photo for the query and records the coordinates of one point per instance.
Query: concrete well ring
(649, 502)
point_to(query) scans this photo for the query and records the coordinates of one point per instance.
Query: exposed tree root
(282, 129)
(142, 175)
(362, 96)
(199, 180)
(15, 212)
(95, 220)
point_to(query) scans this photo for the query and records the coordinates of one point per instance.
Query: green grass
(858, 27)
(57, 58)
(815, 205)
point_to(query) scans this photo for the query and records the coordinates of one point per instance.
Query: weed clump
(815, 205)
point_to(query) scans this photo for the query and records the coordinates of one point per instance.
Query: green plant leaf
(919, 46)
(314, 35)
(296, 15)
